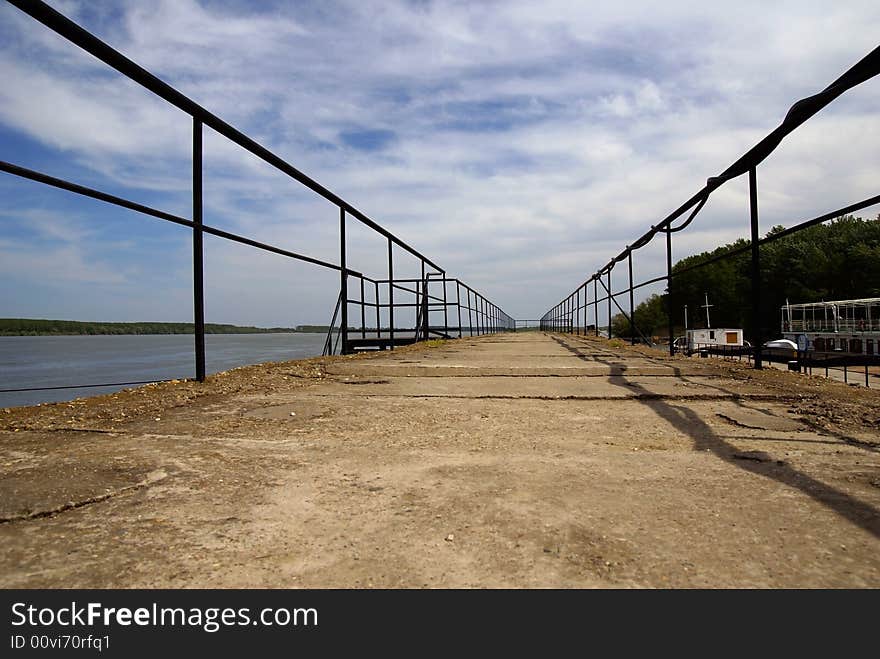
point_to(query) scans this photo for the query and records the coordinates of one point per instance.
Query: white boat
(850, 326)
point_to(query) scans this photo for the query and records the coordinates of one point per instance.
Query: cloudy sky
(518, 144)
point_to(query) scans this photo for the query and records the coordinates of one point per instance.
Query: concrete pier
(516, 460)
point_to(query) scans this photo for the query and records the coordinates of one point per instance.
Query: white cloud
(532, 141)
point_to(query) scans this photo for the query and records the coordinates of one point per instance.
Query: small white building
(705, 338)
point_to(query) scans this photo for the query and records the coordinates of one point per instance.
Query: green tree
(834, 261)
(649, 316)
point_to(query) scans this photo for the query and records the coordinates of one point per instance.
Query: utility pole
(685, 318)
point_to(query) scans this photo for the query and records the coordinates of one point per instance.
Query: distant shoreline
(41, 327)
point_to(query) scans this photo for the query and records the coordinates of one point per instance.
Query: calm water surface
(52, 361)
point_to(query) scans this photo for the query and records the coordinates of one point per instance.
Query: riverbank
(41, 327)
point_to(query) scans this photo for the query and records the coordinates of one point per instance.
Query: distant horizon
(44, 326)
(170, 322)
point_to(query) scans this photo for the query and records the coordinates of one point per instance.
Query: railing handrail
(802, 110)
(79, 36)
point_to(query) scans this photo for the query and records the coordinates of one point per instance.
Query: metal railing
(484, 316)
(468, 313)
(847, 366)
(571, 314)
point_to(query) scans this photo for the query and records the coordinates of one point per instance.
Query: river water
(54, 361)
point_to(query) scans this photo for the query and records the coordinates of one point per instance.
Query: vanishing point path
(517, 460)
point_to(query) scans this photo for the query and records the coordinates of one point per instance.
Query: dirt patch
(299, 412)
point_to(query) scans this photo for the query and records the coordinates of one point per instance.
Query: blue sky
(518, 144)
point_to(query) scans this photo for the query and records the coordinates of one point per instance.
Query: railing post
(756, 267)
(609, 302)
(458, 304)
(669, 291)
(477, 313)
(343, 285)
(426, 309)
(470, 320)
(391, 294)
(632, 318)
(476, 321)
(484, 305)
(198, 253)
(378, 315)
(363, 312)
(586, 306)
(445, 308)
(596, 305)
(417, 305)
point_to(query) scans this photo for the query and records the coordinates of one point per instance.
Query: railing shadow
(704, 438)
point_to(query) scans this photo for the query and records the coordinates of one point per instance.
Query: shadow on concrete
(704, 437)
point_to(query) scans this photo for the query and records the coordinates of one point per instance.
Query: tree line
(839, 260)
(40, 327)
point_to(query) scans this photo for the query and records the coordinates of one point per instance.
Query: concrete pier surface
(519, 460)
